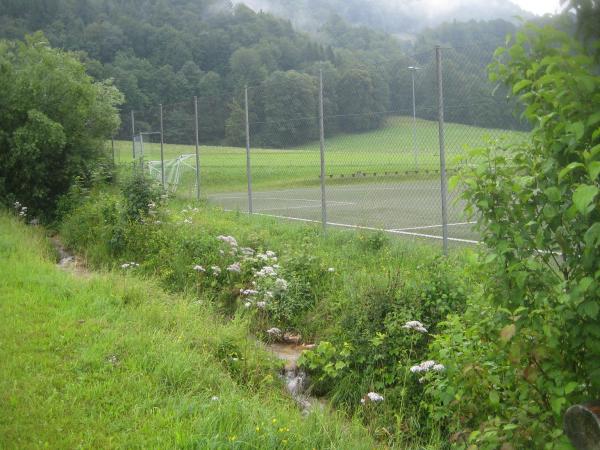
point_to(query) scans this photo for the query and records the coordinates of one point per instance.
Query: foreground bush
(529, 346)
(54, 121)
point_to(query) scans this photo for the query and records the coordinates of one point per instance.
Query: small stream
(296, 379)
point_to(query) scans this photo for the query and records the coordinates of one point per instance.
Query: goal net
(180, 173)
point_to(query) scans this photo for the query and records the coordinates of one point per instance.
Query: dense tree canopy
(54, 122)
(167, 51)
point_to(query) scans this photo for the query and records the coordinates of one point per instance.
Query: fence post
(322, 142)
(133, 137)
(112, 146)
(248, 168)
(162, 154)
(197, 149)
(444, 181)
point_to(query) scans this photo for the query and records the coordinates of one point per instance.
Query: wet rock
(582, 425)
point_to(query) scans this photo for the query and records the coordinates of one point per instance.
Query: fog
(396, 16)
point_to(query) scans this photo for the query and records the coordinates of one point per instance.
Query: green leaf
(494, 398)
(577, 128)
(570, 387)
(567, 170)
(589, 308)
(583, 197)
(520, 86)
(593, 169)
(553, 194)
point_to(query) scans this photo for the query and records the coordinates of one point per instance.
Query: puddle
(296, 380)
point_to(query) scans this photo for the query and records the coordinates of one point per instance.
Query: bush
(528, 347)
(54, 121)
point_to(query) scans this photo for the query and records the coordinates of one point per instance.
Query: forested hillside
(166, 51)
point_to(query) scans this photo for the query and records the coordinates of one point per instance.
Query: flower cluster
(228, 239)
(129, 265)
(235, 267)
(415, 325)
(199, 269)
(267, 271)
(275, 332)
(216, 270)
(372, 397)
(20, 209)
(426, 366)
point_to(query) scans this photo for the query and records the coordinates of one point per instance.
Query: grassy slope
(390, 148)
(111, 361)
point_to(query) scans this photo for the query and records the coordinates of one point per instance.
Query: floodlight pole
(197, 150)
(162, 154)
(322, 147)
(444, 182)
(413, 69)
(248, 168)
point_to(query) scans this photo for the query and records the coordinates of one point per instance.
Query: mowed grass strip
(389, 149)
(111, 361)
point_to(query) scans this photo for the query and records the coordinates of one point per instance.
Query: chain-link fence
(341, 149)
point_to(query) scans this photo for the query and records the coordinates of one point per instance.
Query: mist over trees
(167, 51)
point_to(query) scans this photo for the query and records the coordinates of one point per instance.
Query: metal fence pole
(112, 146)
(248, 168)
(322, 142)
(162, 151)
(197, 150)
(133, 137)
(444, 181)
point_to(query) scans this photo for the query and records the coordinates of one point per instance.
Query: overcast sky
(539, 6)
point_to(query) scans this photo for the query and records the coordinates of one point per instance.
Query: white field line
(289, 207)
(359, 227)
(431, 226)
(282, 199)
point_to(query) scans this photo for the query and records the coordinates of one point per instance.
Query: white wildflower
(415, 325)
(261, 305)
(216, 270)
(248, 292)
(426, 366)
(331, 270)
(125, 266)
(214, 398)
(268, 295)
(270, 254)
(438, 368)
(266, 271)
(247, 251)
(247, 304)
(372, 397)
(274, 332)
(199, 269)
(235, 267)
(281, 284)
(228, 239)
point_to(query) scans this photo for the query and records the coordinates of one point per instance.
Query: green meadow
(109, 360)
(397, 147)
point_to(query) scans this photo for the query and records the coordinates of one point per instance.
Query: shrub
(528, 347)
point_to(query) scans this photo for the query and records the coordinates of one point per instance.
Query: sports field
(407, 208)
(384, 179)
(390, 149)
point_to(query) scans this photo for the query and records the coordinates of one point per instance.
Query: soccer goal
(179, 172)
